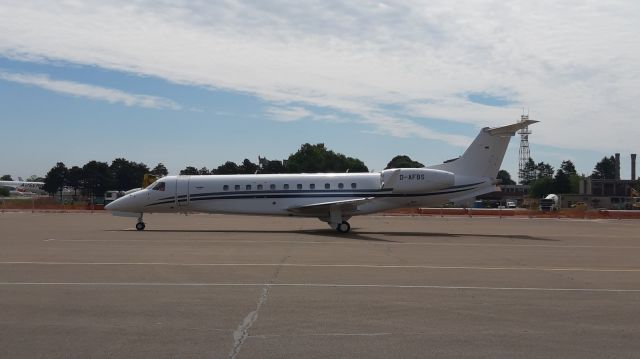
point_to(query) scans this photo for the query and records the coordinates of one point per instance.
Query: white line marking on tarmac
(385, 243)
(302, 265)
(266, 336)
(318, 285)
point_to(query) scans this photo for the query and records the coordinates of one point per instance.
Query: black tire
(140, 226)
(343, 227)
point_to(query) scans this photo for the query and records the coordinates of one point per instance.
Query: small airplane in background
(23, 187)
(332, 197)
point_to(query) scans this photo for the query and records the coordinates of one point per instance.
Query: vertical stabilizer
(484, 156)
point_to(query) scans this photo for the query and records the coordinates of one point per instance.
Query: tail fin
(484, 156)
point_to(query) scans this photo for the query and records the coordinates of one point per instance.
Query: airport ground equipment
(550, 203)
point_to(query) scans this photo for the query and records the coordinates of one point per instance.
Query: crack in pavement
(241, 334)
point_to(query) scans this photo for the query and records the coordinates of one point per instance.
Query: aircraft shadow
(460, 235)
(326, 233)
(354, 234)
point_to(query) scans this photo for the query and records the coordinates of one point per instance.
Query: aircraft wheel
(343, 227)
(140, 226)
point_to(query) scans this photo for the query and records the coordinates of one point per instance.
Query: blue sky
(187, 83)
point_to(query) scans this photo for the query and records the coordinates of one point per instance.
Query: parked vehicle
(550, 203)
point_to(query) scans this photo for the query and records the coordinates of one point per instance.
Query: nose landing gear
(140, 225)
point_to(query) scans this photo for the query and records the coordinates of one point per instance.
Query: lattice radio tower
(524, 147)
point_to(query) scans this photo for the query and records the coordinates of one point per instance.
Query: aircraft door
(182, 191)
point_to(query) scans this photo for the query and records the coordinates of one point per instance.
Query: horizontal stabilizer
(511, 129)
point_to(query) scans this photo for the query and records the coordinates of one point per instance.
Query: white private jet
(332, 197)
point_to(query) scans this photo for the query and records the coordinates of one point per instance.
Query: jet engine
(416, 180)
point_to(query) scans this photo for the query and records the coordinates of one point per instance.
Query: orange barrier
(47, 204)
(494, 212)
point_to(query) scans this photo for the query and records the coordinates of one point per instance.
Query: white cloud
(89, 91)
(297, 113)
(575, 64)
(288, 114)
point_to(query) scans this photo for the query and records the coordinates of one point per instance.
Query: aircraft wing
(346, 206)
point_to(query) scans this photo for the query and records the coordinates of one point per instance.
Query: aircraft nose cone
(128, 203)
(118, 205)
(110, 206)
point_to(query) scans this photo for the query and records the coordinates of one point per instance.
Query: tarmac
(81, 285)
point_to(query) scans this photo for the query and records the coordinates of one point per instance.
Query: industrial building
(614, 193)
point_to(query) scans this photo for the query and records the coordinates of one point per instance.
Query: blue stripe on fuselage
(382, 193)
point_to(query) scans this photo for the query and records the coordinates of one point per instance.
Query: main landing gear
(140, 225)
(343, 227)
(337, 221)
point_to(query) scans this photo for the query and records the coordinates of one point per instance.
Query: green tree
(159, 170)
(247, 167)
(228, 168)
(561, 182)
(4, 191)
(568, 167)
(272, 167)
(75, 178)
(6, 178)
(127, 174)
(35, 178)
(505, 178)
(403, 161)
(574, 183)
(317, 158)
(204, 171)
(541, 187)
(544, 170)
(189, 170)
(56, 179)
(528, 174)
(96, 177)
(605, 169)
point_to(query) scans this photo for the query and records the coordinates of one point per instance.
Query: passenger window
(286, 186)
(272, 186)
(237, 187)
(299, 186)
(312, 186)
(327, 186)
(259, 187)
(225, 187)
(159, 187)
(341, 185)
(354, 186)
(248, 187)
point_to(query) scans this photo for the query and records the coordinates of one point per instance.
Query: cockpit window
(160, 186)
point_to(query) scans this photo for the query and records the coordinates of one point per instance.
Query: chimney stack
(633, 166)
(617, 166)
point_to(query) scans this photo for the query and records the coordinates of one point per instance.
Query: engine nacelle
(416, 180)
